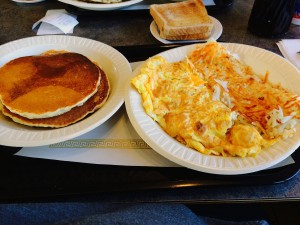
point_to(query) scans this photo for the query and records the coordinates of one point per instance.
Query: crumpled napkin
(289, 49)
(57, 21)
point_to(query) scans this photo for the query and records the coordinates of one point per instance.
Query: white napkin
(289, 49)
(57, 21)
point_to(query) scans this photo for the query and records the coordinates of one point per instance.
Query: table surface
(118, 29)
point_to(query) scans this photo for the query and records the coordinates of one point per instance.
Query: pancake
(47, 85)
(72, 116)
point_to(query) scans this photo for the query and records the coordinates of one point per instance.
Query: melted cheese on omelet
(178, 99)
(199, 101)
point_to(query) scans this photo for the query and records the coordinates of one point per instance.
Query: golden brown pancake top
(47, 85)
(72, 116)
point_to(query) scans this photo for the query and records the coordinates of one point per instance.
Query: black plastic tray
(23, 177)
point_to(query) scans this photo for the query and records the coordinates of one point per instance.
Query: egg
(178, 99)
(201, 102)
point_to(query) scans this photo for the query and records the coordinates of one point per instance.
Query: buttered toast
(187, 20)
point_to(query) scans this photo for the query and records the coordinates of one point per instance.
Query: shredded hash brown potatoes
(212, 102)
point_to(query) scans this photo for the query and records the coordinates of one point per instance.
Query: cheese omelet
(211, 102)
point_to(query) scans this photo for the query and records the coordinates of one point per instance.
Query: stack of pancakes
(54, 89)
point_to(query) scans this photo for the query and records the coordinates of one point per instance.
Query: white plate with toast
(100, 6)
(113, 63)
(215, 34)
(281, 71)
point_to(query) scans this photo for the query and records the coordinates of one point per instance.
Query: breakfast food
(72, 116)
(271, 108)
(185, 20)
(54, 89)
(47, 85)
(213, 103)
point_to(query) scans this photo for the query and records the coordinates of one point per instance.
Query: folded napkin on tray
(57, 21)
(289, 49)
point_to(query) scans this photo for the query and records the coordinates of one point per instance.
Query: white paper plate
(261, 61)
(100, 6)
(112, 62)
(28, 1)
(215, 34)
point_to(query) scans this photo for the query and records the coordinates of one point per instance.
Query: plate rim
(215, 36)
(183, 162)
(27, 2)
(114, 102)
(100, 6)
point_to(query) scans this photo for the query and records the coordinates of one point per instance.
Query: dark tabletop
(131, 28)
(118, 29)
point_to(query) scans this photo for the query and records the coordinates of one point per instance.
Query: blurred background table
(127, 28)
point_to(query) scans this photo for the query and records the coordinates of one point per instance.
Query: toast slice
(187, 20)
